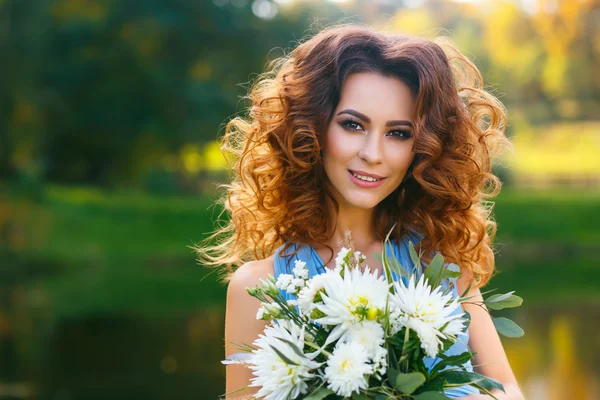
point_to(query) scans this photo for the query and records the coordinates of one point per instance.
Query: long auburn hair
(277, 195)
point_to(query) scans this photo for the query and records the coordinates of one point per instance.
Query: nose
(371, 150)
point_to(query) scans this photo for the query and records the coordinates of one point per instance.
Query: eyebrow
(368, 120)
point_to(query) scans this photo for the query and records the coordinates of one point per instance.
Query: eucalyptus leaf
(452, 360)
(319, 394)
(408, 383)
(467, 318)
(431, 396)
(465, 378)
(433, 272)
(498, 297)
(509, 302)
(508, 328)
(452, 271)
(378, 257)
(392, 373)
(398, 268)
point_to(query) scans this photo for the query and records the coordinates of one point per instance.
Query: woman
(357, 131)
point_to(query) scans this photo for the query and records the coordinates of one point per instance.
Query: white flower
(300, 269)
(284, 281)
(430, 313)
(289, 283)
(339, 260)
(380, 361)
(359, 257)
(367, 333)
(351, 299)
(277, 379)
(306, 297)
(346, 369)
(267, 312)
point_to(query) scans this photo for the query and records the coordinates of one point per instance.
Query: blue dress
(315, 265)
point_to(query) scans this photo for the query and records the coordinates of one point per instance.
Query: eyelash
(346, 125)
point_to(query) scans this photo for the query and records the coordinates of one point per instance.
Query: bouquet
(351, 333)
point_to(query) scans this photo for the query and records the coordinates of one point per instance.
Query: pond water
(130, 357)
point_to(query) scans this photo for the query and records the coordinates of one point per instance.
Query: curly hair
(277, 195)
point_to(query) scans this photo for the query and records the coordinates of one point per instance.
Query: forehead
(377, 96)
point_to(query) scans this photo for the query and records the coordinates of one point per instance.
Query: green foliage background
(109, 112)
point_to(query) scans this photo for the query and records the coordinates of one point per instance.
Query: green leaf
(381, 397)
(360, 396)
(408, 383)
(452, 271)
(452, 360)
(431, 396)
(283, 357)
(433, 385)
(433, 272)
(392, 373)
(414, 257)
(508, 328)
(234, 391)
(499, 297)
(293, 346)
(386, 266)
(467, 318)
(319, 394)
(398, 268)
(378, 257)
(466, 291)
(465, 378)
(509, 302)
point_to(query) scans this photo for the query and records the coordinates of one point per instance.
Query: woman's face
(370, 134)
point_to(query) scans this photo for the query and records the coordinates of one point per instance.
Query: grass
(98, 251)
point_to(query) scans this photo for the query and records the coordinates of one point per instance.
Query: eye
(351, 125)
(400, 134)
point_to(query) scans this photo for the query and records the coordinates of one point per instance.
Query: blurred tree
(111, 92)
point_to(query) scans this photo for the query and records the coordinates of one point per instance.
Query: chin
(362, 201)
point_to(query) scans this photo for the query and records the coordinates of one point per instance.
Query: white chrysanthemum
(260, 314)
(300, 269)
(426, 311)
(380, 361)
(306, 296)
(339, 260)
(359, 258)
(289, 283)
(367, 333)
(277, 379)
(268, 312)
(351, 299)
(346, 369)
(284, 281)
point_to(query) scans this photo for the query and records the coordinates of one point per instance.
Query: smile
(364, 177)
(365, 181)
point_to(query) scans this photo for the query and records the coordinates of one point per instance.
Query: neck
(353, 221)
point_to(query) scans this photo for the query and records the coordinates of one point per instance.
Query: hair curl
(278, 192)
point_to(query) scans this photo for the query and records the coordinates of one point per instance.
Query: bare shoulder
(249, 274)
(241, 325)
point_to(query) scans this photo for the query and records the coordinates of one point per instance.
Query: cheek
(401, 158)
(338, 145)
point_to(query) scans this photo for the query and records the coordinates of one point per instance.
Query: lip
(363, 173)
(364, 184)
